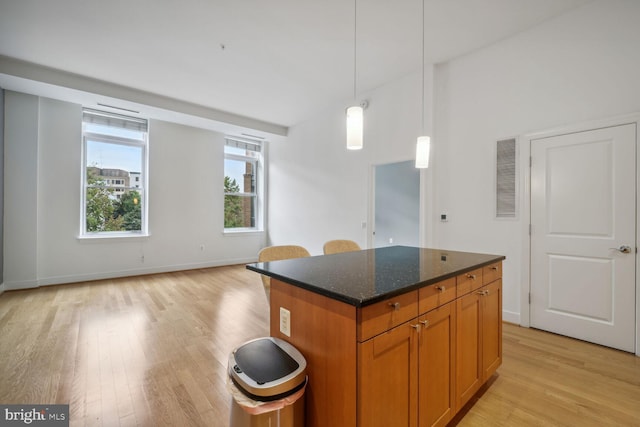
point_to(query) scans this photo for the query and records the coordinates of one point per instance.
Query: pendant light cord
(423, 78)
(355, 44)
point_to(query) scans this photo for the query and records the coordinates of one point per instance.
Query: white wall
(42, 201)
(579, 67)
(20, 190)
(318, 190)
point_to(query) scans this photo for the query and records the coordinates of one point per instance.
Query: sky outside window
(114, 156)
(235, 169)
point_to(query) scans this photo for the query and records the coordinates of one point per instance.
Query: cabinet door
(468, 342)
(436, 361)
(388, 378)
(491, 328)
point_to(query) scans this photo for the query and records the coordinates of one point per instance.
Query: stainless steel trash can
(268, 380)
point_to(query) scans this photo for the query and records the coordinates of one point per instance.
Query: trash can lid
(267, 368)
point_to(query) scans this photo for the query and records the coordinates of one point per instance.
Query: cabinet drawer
(384, 315)
(433, 296)
(491, 272)
(468, 282)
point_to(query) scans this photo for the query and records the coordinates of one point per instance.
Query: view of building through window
(114, 159)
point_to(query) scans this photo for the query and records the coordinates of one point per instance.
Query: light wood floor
(153, 351)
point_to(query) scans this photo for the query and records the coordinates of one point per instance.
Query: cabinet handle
(494, 268)
(441, 288)
(395, 305)
(471, 276)
(483, 293)
(416, 327)
(425, 323)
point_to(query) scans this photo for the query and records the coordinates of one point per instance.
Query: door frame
(524, 142)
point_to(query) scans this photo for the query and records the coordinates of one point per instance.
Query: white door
(583, 217)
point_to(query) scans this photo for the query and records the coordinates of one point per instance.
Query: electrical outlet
(285, 321)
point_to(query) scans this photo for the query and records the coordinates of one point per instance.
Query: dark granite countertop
(364, 277)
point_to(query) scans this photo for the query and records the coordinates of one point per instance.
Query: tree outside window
(233, 216)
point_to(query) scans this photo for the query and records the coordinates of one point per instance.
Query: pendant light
(423, 148)
(355, 113)
(423, 144)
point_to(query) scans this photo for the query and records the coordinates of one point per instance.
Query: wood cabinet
(491, 328)
(388, 378)
(431, 297)
(419, 389)
(411, 360)
(324, 331)
(436, 361)
(380, 317)
(468, 341)
(468, 282)
(478, 338)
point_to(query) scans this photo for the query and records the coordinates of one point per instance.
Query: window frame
(143, 187)
(259, 184)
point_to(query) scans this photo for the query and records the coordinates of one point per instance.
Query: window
(242, 185)
(114, 153)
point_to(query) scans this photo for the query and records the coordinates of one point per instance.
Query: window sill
(242, 232)
(112, 236)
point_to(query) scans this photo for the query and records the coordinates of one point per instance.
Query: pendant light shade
(355, 126)
(423, 149)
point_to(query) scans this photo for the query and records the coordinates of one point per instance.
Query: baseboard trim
(511, 317)
(22, 284)
(75, 278)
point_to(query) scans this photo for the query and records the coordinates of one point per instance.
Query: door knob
(624, 249)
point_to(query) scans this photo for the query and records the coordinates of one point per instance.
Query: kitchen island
(398, 336)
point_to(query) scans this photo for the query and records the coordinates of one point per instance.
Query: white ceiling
(277, 61)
